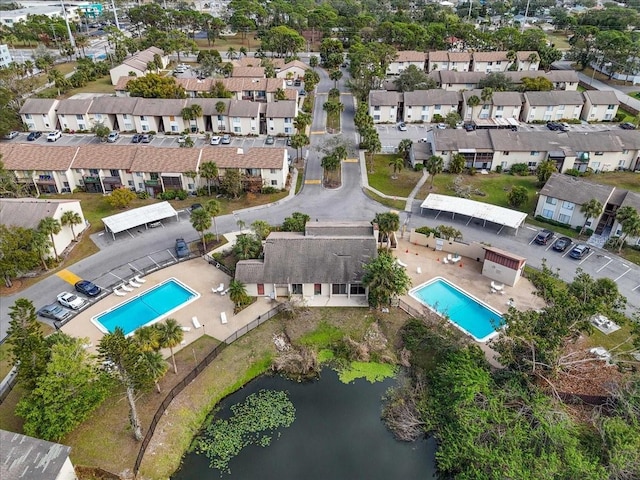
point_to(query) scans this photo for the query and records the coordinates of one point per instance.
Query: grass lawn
(392, 204)
(560, 40)
(381, 178)
(625, 180)
(5, 360)
(333, 118)
(101, 85)
(222, 44)
(628, 253)
(599, 339)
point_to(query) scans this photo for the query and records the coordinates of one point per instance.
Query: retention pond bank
(337, 433)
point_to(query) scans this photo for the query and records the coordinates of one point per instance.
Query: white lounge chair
(445, 261)
(418, 270)
(133, 283)
(224, 292)
(125, 288)
(401, 263)
(223, 318)
(456, 259)
(497, 286)
(139, 279)
(196, 323)
(450, 257)
(118, 293)
(220, 288)
(186, 329)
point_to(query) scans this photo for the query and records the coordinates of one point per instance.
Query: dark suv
(554, 126)
(182, 249)
(543, 237)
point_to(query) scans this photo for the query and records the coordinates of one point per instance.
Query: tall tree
(591, 209)
(170, 334)
(71, 218)
(396, 163)
(155, 86)
(50, 226)
(201, 222)
(385, 279)
(434, 166)
(237, 293)
(208, 171)
(335, 75)
(127, 366)
(388, 223)
(214, 209)
(157, 366)
(630, 221)
(296, 222)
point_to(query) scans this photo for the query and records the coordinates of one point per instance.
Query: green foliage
(121, 198)
(231, 183)
(19, 251)
(101, 131)
(521, 169)
(518, 196)
(247, 247)
(324, 336)
(370, 371)
(296, 222)
(253, 422)
(413, 79)
(201, 222)
(69, 389)
(544, 171)
(441, 231)
(386, 279)
(155, 86)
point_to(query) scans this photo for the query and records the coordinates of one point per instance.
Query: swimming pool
(146, 308)
(469, 314)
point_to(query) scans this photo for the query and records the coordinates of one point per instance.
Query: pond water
(337, 434)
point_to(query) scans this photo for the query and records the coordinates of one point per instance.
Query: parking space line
(586, 258)
(604, 266)
(569, 250)
(531, 228)
(551, 242)
(635, 288)
(622, 275)
(532, 240)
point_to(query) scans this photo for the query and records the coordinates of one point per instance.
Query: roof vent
(240, 151)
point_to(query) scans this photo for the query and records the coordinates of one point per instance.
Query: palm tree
(213, 209)
(301, 121)
(486, 95)
(170, 335)
(591, 209)
(330, 163)
(404, 147)
(629, 218)
(50, 226)
(82, 42)
(242, 51)
(434, 166)
(388, 223)
(201, 221)
(397, 163)
(335, 75)
(71, 218)
(237, 292)
(371, 143)
(209, 171)
(147, 338)
(313, 61)
(29, 66)
(220, 107)
(246, 247)
(42, 245)
(157, 366)
(280, 94)
(231, 53)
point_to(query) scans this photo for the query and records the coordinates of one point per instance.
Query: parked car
(469, 127)
(195, 206)
(302, 93)
(182, 139)
(554, 126)
(137, 138)
(297, 83)
(146, 138)
(70, 300)
(54, 136)
(402, 127)
(215, 140)
(113, 136)
(182, 249)
(580, 251)
(564, 126)
(441, 126)
(226, 139)
(270, 140)
(543, 237)
(562, 244)
(288, 141)
(34, 136)
(11, 135)
(627, 126)
(88, 288)
(55, 312)
(289, 83)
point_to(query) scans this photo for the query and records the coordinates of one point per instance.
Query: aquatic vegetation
(253, 422)
(371, 371)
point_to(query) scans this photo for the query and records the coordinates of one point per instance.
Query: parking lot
(157, 141)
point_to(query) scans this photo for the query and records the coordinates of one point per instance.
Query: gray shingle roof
(554, 98)
(23, 457)
(631, 199)
(298, 258)
(209, 105)
(576, 190)
(431, 97)
(601, 97)
(73, 106)
(159, 107)
(454, 139)
(109, 105)
(281, 109)
(498, 98)
(244, 108)
(555, 76)
(27, 213)
(383, 97)
(38, 105)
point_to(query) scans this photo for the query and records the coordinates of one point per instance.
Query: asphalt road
(345, 203)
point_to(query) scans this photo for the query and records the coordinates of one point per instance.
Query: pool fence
(199, 368)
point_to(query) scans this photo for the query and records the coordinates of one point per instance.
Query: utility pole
(115, 14)
(526, 15)
(72, 41)
(470, 5)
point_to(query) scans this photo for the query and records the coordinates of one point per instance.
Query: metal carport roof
(138, 216)
(472, 209)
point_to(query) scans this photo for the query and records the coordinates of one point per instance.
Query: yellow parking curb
(351, 160)
(312, 182)
(319, 132)
(68, 276)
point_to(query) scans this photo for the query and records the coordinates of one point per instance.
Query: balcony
(91, 179)
(152, 183)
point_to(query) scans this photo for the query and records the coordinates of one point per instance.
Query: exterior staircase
(599, 240)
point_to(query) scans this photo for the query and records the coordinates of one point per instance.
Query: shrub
(426, 230)
(181, 194)
(499, 169)
(168, 195)
(620, 116)
(521, 169)
(334, 92)
(202, 192)
(587, 231)
(419, 167)
(437, 118)
(572, 172)
(269, 189)
(142, 194)
(542, 219)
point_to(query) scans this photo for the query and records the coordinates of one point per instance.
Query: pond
(337, 434)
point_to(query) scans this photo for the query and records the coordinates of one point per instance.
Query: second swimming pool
(146, 308)
(470, 315)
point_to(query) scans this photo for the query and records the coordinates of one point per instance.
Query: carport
(137, 217)
(504, 217)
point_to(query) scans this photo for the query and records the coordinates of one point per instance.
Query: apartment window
(610, 107)
(220, 117)
(560, 107)
(114, 173)
(564, 218)
(505, 153)
(621, 164)
(79, 117)
(317, 289)
(534, 153)
(274, 183)
(489, 63)
(287, 119)
(357, 289)
(66, 184)
(98, 116)
(78, 170)
(154, 176)
(376, 108)
(125, 116)
(549, 108)
(140, 186)
(499, 62)
(599, 153)
(145, 128)
(28, 116)
(190, 186)
(138, 174)
(130, 183)
(174, 128)
(93, 171)
(143, 118)
(237, 129)
(438, 107)
(339, 289)
(547, 213)
(296, 288)
(533, 164)
(568, 205)
(551, 201)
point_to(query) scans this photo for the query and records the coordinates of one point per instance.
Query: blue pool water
(146, 308)
(464, 311)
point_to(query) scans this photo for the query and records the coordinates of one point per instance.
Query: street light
(72, 41)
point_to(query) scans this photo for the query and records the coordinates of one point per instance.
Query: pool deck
(198, 275)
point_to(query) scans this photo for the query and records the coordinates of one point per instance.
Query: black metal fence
(175, 391)
(414, 312)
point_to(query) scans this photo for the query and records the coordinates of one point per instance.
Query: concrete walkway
(622, 97)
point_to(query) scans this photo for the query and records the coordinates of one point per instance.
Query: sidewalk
(622, 97)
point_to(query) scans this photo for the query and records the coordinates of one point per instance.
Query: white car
(441, 126)
(402, 127)
(54, 136)
(70, 300)
(215, 140)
